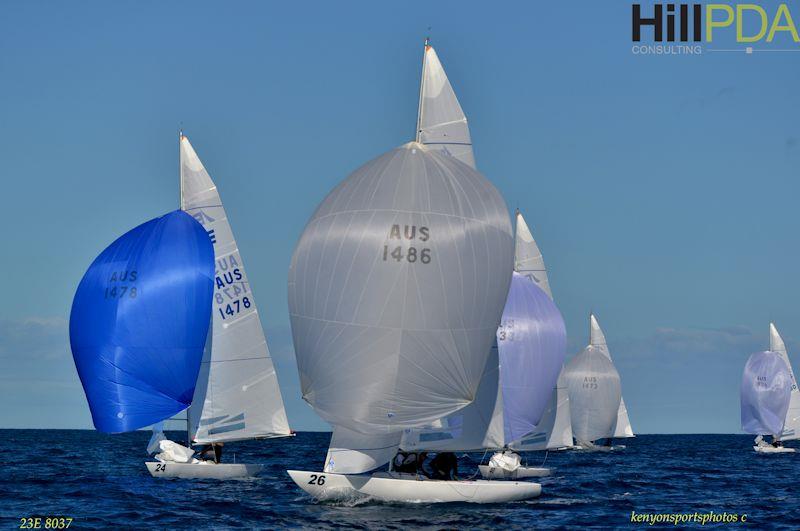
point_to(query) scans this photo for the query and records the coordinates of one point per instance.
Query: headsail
(237, 395)
(791, 428)
(396, 288)
(597, 338)
(139, 322)
(765, 394)
(528, 259)
(441, 124)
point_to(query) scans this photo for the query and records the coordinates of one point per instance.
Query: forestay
(139, 321)
(791, 428)
(237, 395)
(765, 393)
(441, 124)
(396, 288)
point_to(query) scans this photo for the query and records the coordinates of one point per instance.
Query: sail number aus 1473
(412, 254)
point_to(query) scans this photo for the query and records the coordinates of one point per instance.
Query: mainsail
(237, 395)
(791, 428)
(396, 288)
(765, 393)
(528, 259)
(441, 124)
(139, 321)
(594, 390)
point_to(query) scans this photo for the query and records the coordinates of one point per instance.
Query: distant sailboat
(791, 427)
(237, 395)
(769, 397)
(597, 410)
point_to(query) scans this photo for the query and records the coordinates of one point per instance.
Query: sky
(662, 190)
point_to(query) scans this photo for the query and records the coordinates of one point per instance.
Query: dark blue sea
(101, 482)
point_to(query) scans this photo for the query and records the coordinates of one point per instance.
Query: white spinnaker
(555, 428)
(237, 395)
(441, 123)
(622, 428)
(396, 289)
(594, 395)
(351, 452)
(473, 428)
(528, 259)
(791, 429)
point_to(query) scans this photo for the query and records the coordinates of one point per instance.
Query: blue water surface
(101, 481)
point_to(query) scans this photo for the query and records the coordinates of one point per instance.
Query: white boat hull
(408, 488)
(491, 472)
(773, 450)
(206, 470)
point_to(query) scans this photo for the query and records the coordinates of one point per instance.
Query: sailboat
(597, 410)
(530, 342)
(237, 396)
(554, 431)
(766, 406)
(139, 322)
(396, 289)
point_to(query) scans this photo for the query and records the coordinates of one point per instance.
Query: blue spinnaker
(532, 346)
(765, 394)
(139, 322)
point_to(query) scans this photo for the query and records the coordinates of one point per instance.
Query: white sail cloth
(622, 426)
(237, 395)
(791, 428)
(396, 288)
(351, 452)
(594, 394)
(442, 123)
(528, 259)
(473, 428)
(555, 428)
(765, 393)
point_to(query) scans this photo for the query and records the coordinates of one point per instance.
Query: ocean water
(100, 481)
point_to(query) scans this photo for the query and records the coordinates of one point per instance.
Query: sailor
(444, 466)
(408, 462)
(211, 452)
(776, 443)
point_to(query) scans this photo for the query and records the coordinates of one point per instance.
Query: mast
(422, 87)
(180, 173)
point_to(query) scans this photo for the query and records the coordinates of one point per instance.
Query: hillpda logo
(692, 29)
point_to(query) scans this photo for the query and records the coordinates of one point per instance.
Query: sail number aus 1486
(392, 251)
